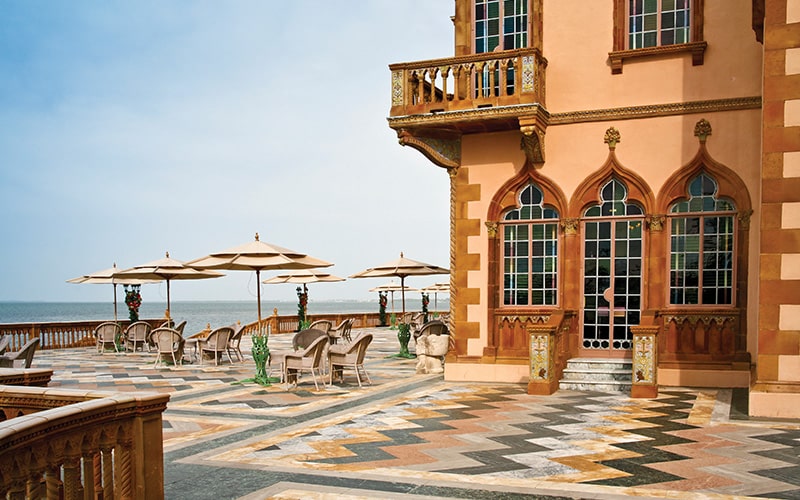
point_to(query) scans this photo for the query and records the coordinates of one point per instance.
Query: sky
(129, 129)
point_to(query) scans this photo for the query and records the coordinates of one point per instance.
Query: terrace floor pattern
(417, 436)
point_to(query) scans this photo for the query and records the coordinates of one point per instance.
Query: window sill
(697, 49)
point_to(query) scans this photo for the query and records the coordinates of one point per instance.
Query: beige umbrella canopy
(257, 256)
(166, 269)
(304, 277)
(436, 289)
(401, 268)
(105, 277)
(392, 287)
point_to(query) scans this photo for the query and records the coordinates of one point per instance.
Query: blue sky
(128, 129)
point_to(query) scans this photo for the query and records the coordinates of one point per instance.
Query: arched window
(702, 246)
(530, 251)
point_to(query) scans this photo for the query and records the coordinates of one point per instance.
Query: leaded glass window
(652, 23)
(530, 251)
(500, 25)
(702, 246)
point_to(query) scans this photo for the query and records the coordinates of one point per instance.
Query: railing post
(645, 361)
(542, 342)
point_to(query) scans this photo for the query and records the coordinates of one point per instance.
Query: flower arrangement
(133, 299)
(382, 301)
(302, 307)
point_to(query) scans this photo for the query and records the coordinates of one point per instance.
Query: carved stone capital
(491, 227)
(442, 148)
(656, 221)
(570, 225)
(744, 219)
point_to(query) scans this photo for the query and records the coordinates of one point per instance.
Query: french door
(612, 284)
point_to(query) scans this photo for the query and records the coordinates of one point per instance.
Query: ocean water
(197, 314)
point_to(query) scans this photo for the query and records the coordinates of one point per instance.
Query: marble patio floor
(417, 436)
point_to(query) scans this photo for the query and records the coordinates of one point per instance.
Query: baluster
(108, 470)
(421, 86)
(73, 489)
(502, 88)
(434, 72)
(53, 480)
(445, 72)
(125, 470)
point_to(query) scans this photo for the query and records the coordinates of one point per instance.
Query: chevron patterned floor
(417, 436)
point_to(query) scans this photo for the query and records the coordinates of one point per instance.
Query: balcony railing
(470, 82)
(60, 443)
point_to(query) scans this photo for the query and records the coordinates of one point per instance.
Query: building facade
(623, 185)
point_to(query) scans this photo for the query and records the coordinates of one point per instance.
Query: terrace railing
(468, 82)
(60, 443)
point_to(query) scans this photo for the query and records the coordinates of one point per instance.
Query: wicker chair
(137, 335)
(311, 359)
(5, 340)
(234, 342)
(107, 334)
(25, 355)
(216, 344)
(321, 324)
(169, 344)
(305, 338)
(350, 356)
(341, 331)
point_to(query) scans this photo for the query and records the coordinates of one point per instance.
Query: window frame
(672, 217)
(503, 223)
(620, 53)
(501, 34)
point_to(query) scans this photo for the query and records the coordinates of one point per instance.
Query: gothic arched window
(530, 251)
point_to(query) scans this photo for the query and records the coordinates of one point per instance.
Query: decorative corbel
(533, 127)
(443, 148)
(744, 219)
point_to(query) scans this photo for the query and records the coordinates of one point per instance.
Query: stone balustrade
(468, 82)
(60, 443)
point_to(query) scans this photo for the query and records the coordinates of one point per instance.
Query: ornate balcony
(435, 102)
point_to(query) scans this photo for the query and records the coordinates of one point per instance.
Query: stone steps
(597, 374)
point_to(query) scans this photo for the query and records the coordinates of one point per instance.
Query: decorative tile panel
(397, 88)
(528, 73)
(540, 356)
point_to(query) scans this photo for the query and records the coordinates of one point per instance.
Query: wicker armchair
(24, 355)
(107, 334)
(216, 344)
(321, 324)
(169, 344)
(311, 359)
(341, 331)
(137, 335)
(350, 356)
(234, 341)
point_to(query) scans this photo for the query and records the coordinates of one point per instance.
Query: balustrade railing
(468, 82)
(60, 443)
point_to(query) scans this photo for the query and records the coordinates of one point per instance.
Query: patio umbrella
(304, 277)
(392, 287)
(166, 269)
(401, 268)
(105, 277)
(436, 289)
(257, 256)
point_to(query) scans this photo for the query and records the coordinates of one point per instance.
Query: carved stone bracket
(442, 148)
(533, 128)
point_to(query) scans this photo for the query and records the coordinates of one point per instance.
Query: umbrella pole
(258, 295)
(115, 302)
(169, 314)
